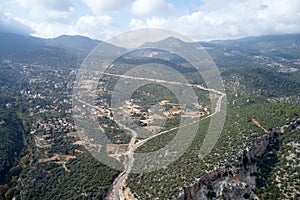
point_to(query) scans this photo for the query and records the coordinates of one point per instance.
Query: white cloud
(94, 26)
(153, 22)
(93, 20)
(137, 23)
(51, 18)
(232, 19)
(213, 19)
(88, 25)
(152, 7)
(48, 10)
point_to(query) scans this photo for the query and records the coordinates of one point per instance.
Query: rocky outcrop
(239, 182)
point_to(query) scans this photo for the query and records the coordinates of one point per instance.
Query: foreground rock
(242, 181)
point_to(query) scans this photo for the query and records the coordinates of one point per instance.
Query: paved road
(133, 147)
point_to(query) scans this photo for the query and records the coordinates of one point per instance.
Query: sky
(198, 19)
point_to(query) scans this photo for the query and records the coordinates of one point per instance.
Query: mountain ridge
(84, 43)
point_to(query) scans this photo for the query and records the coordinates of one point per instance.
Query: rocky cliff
(241, 182)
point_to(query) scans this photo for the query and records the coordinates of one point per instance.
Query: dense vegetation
(11, 141)
(87, 178)
(12, 132)
(236, 135)
(36, 85)
(249, 90)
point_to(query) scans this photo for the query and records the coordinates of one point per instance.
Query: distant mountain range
(65, 47)
(284, 45)
(14, 44)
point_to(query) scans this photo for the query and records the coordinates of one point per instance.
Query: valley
(256, 155)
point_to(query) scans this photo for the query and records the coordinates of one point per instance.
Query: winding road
(133, 146)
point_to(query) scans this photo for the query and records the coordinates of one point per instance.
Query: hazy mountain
(73, 49)
(16, 44)
(63, 50)
(284, 45)
(76, 42)
(262, 41)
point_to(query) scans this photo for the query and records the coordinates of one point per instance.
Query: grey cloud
(12, 26)
(104, 6)
(58, 5)
(54, 5)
